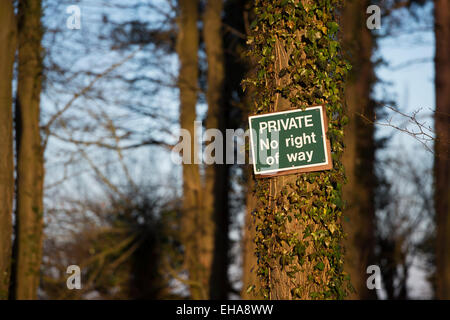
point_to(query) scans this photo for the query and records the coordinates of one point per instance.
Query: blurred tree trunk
(30, 166)
(8, 40)
(216, 216)
(239, 15)
(187, 49)
(359, 154)
(298, 231)
(442, 147)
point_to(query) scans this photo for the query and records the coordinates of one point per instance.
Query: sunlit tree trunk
(8, 40)
(187, 49)
(299, 233)
(30, 170)
(442, 147)
(250, 283)
(359, 154)
(215, 218)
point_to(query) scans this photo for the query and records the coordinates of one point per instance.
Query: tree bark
(251, 288)
(187, 50)
(250, 282)
(215, 217)
(442, 147)
(30, 166)
(359, 154)
(8, 40)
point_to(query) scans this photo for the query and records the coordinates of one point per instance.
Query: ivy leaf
(320, 266)
(333, 27)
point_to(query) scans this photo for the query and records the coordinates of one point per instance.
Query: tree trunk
(215, 218)
(238, 16)
(250, 283)
(442, 147)
(187, 49)
(30, 170)
(8, 40)
(359, 154)
(299, 233)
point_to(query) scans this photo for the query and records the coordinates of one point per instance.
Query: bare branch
(58, 114)
(421, 131)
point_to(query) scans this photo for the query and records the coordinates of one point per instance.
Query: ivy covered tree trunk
(299, 232)
(8, 40)
(30, 161)
(187, 50)
(359, 155)
(442, 147)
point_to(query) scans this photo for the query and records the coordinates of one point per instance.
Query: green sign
(293, 140)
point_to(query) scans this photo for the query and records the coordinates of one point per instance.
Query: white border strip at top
(322, 119)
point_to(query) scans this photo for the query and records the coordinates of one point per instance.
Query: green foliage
(316, 71)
